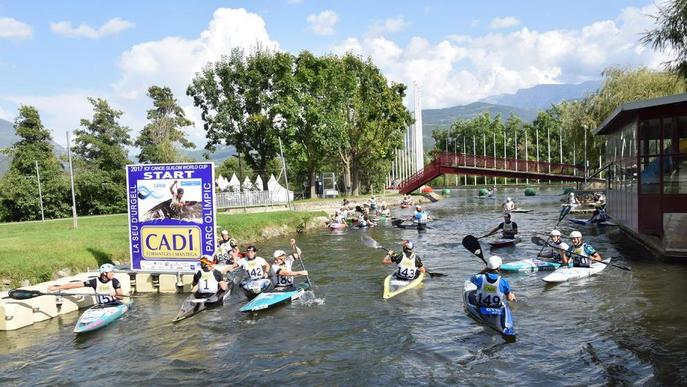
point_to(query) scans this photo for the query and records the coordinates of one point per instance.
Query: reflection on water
(617, 328)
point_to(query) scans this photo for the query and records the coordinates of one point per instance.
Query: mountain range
(525, 103)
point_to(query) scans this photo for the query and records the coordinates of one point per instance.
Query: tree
(161, 137)
(101, 156)
(239, 97)
(671, 33)
(19, 186)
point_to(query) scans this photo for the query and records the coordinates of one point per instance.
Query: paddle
(295, 249)
(24, 294)
(564, 211)
(368, 241)
(539, 242)
(472, 245)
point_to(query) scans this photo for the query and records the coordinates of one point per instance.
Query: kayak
(565, 273)
(193, 305)
(337, 226)
(405, 205)
(393, 286)
(520, 211)
(586, 222)
(251, 288)
(485, 197)
(504, 242)
(269, 300)
(402, 223)
(578, 220)
(530, 265)
(99, 316)
(499, 319)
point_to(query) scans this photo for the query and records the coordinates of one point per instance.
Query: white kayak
(564, 273)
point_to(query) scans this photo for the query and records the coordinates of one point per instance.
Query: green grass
(35, 250)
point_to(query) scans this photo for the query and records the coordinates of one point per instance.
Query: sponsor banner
(171, 215)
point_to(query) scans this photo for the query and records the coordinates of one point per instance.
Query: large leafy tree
(19, 186)
(160, 138)
(671, 33)
(101, 156)
(239, 97)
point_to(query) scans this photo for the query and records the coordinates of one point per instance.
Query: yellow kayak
(393, 286)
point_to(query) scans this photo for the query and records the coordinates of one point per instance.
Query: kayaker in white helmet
(282, 275)
(572, 200)
(409, 265)
(208, 281)
(420, 216)
(555, 254)
(108, 290)
(579, 253)
(223, 247)
(509, 229)
(492, 289)
(509, 205)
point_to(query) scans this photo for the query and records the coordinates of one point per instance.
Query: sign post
(171, 215)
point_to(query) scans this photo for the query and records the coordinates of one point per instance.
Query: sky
(56, 54)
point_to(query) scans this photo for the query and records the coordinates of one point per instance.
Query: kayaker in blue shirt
(509, 230)
(107, 288)
(491, 287)
(409, 264)
(580, 254)
(420, 216)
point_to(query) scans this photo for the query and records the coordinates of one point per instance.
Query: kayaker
(255, 268)
(372, 203)
(420, 216)
(490, 192)
(223, 247)
(509, 229)
(509, 205)
(491, 287)
(208, 281)
(572, 200)
(178, 201)
(599, 215)
(579, 253)
(384, 211)
(282, 275)
(409, 264)
(107, 288)
(555, 254)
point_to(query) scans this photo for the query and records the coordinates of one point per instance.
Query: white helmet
(508, 199)
(278, 253)
(575, 234)
(555, 233)
(572, 194)
(494, 262)
(106, 268)
(225, 232)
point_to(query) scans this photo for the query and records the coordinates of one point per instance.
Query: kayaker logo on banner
(171, 215)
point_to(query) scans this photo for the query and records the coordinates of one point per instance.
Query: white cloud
(294, 1)
(111, 27)
(462, 69)
(5, 115)
(14, 29)
(322, 23)
(388, 26)
(503, 22)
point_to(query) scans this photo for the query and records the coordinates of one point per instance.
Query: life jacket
(490, 294)
(556, 252)
(407, 269)
(580, 259)
(508, 230)
(252, 268)
(282, 280)
(103, 291)
(207, 284)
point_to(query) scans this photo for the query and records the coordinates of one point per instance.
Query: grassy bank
(36, 250)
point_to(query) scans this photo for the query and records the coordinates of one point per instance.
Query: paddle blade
(538, 241)
(435, 275)
(472, 245)
(368, 241)
(22, 294)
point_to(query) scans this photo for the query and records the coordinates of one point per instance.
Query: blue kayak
(530, 265)
(99, 316)
(499, 319)
(269, 300)
(587, 222)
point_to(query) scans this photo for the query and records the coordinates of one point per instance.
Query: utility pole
(286, 175)
(71, 180)
(40, 193)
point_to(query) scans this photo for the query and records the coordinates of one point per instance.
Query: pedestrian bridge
(468, 164)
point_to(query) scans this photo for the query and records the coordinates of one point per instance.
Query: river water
(615, 328)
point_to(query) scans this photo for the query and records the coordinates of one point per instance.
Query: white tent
(234, 183)
(222, 183)
(278, 193)
(258, 183)
(247, 185)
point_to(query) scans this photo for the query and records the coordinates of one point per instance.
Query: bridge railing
(509, 164)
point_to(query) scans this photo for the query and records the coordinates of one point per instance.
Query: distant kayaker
(208, 281)
(509, 205)
(555, 253)
(492, 289)
(490, 192)
(599, 215)
(420, 216)
(509, 229)
(223, 247)
(107, 288)
(579, 253)
(255, 268)
(372, 203)
(409, 264)
(282, 275)
(384, 211)
(572, 200)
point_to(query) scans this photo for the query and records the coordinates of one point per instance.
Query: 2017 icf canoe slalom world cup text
(171, 215)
